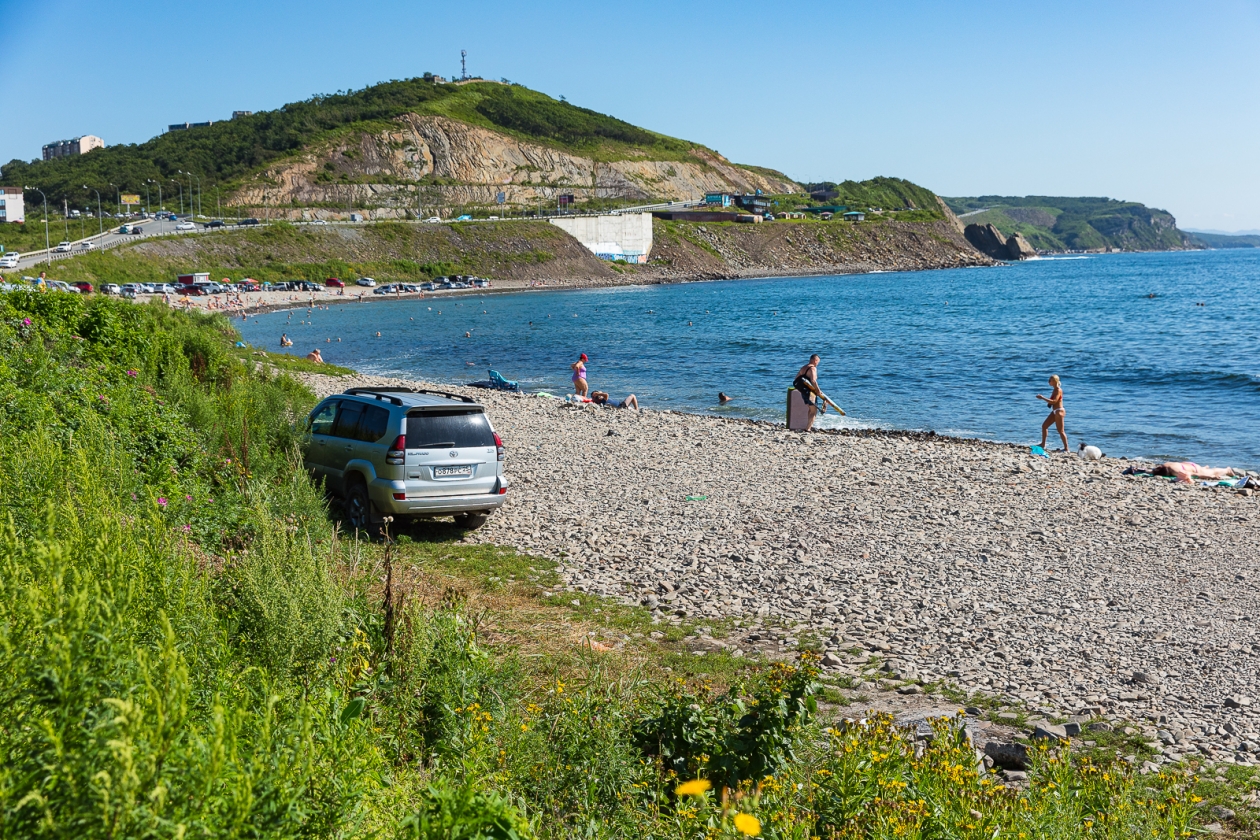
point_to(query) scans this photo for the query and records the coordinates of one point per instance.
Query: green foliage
(737, 736)
(881, 192)
(137, 701)
(1053, 223)
(538, 116)
(463, 813)
(1219, 240)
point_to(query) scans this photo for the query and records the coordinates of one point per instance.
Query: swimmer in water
(723, 399)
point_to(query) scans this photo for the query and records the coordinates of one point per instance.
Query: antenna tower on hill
(463, 65)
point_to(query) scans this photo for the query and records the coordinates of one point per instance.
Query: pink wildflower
(26, 322)
(187, 498)
(132, 373)
(187, 528)
(162, 501)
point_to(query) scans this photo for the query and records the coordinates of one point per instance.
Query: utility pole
(463, 65)
(99, 220)
(47, 245)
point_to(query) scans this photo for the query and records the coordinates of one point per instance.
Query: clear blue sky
(1148, 101)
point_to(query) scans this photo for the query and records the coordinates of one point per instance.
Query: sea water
(1159, 353)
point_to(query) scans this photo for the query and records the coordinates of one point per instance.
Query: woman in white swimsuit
(1055, 402)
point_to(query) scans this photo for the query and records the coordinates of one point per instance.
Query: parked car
(192, 290)
(404, 453)
(60, 286)
(84, 287)
(386, 290)
(131, 290)
(214, 223)
(308, 286)
(111, 289)
(63, 247)
(185, 226)
(249, 222)
(164, 289)
(334, 283)
(10, 259)
(428, 287)
(366, 281)
(410, 287)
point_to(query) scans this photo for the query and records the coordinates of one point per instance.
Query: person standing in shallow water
(1055, 403)
(579, 376)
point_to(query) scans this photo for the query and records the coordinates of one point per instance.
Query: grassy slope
(387, 251)
(190, 648)
(1217, 240)
(229, 151)
(1076, 223)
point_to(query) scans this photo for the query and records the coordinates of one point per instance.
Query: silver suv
(405, 453)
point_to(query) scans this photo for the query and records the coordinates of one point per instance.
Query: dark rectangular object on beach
(693, 216)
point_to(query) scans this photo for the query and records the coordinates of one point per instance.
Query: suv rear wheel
(471, 521)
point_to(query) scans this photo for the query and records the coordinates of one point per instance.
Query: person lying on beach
(315, 357)
(1187, 471)
(603, 398)
(1055, 403)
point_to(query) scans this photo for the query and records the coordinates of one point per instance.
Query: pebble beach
(1062, 586)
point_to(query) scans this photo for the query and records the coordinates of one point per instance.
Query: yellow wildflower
(693, 788)
(748, 824)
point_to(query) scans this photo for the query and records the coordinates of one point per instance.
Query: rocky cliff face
(457, 164)
(987, 240)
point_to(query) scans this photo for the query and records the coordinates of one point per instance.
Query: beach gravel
(1060, 585)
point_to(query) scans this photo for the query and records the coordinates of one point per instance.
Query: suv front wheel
(358, 507)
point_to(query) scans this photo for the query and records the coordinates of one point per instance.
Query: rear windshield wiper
(437, 445)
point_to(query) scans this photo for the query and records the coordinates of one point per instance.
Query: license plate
(452, 472)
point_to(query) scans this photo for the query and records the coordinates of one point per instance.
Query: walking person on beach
(579, 376)
(1055, 403)
(807, 383)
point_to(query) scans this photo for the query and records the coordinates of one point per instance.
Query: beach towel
(503, 384)
(1039, 452)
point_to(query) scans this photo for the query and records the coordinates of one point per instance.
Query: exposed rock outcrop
(1019, 247)
(987, 240)
(431, 163)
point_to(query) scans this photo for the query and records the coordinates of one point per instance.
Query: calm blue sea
(1146, 370)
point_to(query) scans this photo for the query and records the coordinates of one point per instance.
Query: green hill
(225, 153)
(1222, 240)
(1055, 223)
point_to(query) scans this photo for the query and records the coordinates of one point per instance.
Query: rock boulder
(987, 240)
(1019, 248)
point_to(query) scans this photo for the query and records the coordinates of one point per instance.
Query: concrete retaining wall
(625, 236)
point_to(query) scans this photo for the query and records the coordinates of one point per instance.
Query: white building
(12, 208)
(74, 146)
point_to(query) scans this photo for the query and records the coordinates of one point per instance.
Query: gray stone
(1050, 731)
(909, 689)
(1100, 726)
(1238, 701)
(831, 660)
(1222, 813)
(1007, 756)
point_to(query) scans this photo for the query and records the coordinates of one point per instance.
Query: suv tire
(471, 521)
(358, 507)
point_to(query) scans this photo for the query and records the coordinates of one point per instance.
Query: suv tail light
(498, 445)
(397, 453)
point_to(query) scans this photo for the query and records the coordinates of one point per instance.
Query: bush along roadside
(189, 647)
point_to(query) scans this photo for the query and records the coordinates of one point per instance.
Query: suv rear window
(455, 428)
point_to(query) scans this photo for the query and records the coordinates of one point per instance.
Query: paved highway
(151, 227)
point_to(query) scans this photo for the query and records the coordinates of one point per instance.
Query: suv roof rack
(384, 392)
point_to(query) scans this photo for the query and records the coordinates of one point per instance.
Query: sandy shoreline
(1062, 585)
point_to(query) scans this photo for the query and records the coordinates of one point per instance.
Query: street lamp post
(117, 197)
(190, 191)
(181, 195)
(100, 223)
(47, 244)
(147, 209)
